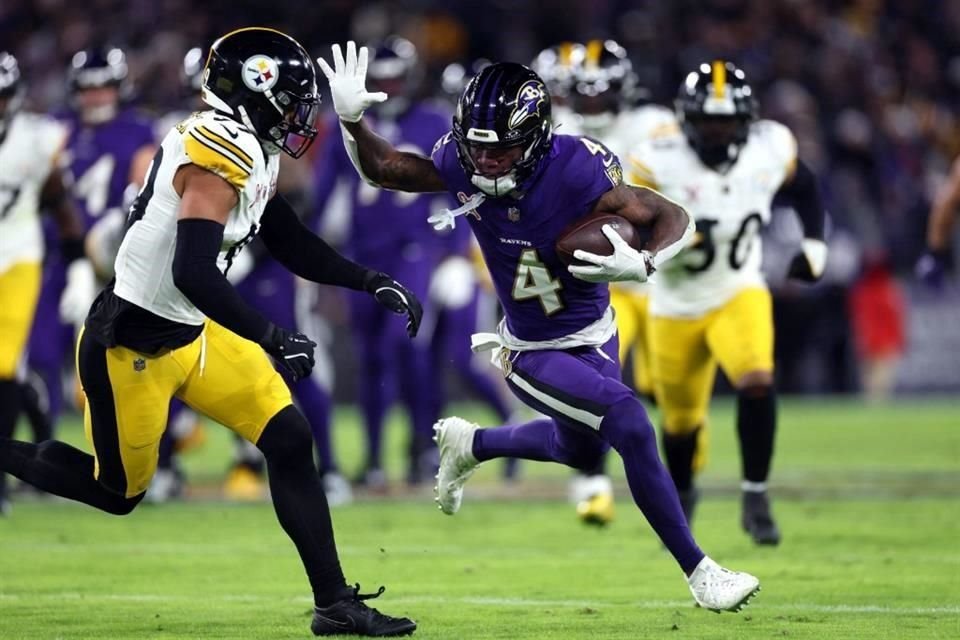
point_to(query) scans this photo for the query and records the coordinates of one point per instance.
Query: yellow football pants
(220, 375)
(19, 292)
(685, 352)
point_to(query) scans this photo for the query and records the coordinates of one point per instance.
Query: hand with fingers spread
(625, 263)
(347, 81)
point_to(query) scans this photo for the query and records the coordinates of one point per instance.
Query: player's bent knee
(120, 505)
(124, 506)
(286, 436)
(626, 425)
(683, 423)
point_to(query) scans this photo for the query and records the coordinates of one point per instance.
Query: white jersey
(730, 209)
(27, 154)
(144, 265)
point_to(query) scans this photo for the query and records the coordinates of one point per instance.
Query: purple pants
(590, 410)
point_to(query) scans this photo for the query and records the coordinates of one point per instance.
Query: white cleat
(719, 589)
(454, 438)
(337, 489)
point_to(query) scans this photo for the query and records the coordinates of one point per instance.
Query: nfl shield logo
(513, 214)
(139, 364)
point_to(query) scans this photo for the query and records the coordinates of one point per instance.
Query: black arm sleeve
(803, 194)
(196, 274)
(304, 253)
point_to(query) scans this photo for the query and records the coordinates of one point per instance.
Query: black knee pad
(286, 437)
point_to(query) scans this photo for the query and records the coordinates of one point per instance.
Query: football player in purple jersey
(521, 185)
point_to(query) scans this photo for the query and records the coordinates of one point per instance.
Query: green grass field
(867, 499)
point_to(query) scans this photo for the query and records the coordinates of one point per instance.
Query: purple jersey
(541, 300)
(386, 223)
(99, 157)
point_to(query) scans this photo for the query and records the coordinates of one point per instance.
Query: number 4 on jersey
(533, 280)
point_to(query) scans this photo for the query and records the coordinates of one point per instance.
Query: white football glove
(808, 265)
(453, 283)
(348, 82)
(79, 293)
(625, 263)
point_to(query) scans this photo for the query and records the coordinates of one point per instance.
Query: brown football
(586, 234)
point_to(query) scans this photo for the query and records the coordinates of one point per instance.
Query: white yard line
(481, 601)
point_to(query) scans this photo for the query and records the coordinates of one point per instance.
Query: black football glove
(293, 352)
(396, 297)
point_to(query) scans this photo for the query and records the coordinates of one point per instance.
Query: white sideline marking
(482, 601)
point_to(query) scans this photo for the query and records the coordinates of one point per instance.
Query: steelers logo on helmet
(529, 98)
(260, 73)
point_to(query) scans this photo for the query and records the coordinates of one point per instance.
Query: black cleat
(757, 520)
(688, 502)
(351, 617)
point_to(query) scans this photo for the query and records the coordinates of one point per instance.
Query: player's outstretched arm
(81, 281)
(306, 254)
(376, 160)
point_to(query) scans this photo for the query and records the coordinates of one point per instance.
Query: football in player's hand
(587, 234)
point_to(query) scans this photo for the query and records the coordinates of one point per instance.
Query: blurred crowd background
(871, 88)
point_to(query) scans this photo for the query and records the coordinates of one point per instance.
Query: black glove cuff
(373, 279)
(272, 338)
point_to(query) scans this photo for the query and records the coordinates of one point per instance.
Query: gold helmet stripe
(719, 79)
(594, 49)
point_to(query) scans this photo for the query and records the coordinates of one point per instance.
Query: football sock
(627, 427)
(62, 470)
(9, 410)
(599, 469)
(541, 439)
(300, 502)
(756, 428)
(679, 451)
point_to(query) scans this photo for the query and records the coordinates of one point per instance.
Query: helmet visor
(297, 130)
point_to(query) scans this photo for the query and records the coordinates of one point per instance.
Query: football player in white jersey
(30, 179)
(171, 325)
(712, 305)
(602, 94)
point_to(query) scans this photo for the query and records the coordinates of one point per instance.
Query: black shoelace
(366, 596)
